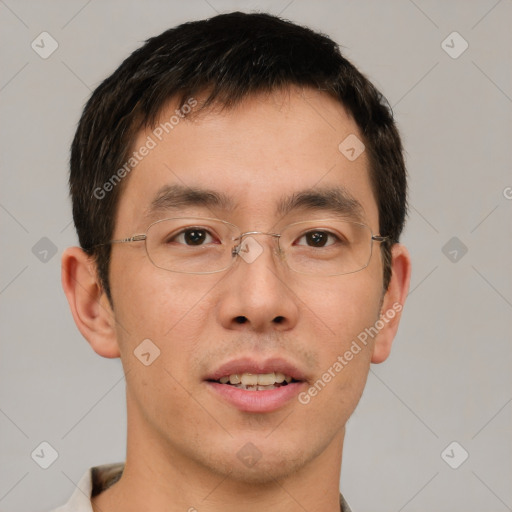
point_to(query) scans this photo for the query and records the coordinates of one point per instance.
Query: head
(240, 115)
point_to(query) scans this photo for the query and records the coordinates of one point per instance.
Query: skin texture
(183, 439)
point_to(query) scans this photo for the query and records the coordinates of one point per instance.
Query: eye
(318, 238)
(193, 236)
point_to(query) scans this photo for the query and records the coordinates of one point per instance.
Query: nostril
(240, 319)
(278, 319)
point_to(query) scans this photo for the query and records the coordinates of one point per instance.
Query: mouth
(256, 381)
(256, 386)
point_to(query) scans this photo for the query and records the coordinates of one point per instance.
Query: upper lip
(251, 365)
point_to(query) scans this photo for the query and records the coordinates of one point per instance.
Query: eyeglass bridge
(237, 248)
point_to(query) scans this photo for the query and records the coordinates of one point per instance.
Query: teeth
(249, 379)
(235, 378)
(266, 379)
(263, 380)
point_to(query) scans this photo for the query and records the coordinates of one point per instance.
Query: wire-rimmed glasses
(197, 245)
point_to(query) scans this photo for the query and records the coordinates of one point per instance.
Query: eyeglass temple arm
(379, 238)
(134, 238)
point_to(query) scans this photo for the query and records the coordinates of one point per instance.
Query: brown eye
(317, 239)
(193, 237)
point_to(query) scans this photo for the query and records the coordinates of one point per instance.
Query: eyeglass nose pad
(235, 251)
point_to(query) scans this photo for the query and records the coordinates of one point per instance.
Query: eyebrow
(335, 200)
(177, 197)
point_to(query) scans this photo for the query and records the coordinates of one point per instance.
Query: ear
(89, 304)
(393, 302)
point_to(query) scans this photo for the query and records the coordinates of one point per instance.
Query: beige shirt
(99, 478)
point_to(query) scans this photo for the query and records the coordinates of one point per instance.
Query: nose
(257, 294)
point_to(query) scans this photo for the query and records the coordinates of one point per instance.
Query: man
(238, 191)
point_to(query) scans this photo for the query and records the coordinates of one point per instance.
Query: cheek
(166, 308)
(160, 314)
(341, 311)
(344, 359)
(146, 297)
(342, 306)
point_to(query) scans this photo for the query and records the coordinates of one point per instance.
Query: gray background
(448, 378)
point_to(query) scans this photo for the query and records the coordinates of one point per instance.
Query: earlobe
(393, 302)
(89, 305)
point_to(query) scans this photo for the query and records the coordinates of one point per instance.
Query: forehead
(258, 156)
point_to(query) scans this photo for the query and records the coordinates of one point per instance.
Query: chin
(259, 460)
(264, 472)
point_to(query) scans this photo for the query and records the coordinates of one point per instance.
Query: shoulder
(93, 482)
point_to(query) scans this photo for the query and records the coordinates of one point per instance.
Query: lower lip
(257, 401)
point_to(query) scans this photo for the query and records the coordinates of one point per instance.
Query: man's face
(259, 316)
